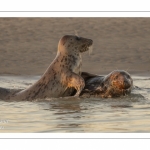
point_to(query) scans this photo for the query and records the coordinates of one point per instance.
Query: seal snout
(90, 42)
(127, 84)
(86, 43)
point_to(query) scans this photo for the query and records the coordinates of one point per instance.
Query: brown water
(125, 114)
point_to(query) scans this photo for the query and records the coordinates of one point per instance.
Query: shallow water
(125, 114)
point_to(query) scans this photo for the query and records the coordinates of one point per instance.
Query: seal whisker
(76, 33)
(90, 49)
(127, 69)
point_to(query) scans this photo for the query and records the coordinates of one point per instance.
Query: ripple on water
(124, 114)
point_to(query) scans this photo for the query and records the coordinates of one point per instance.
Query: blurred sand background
(28, 45)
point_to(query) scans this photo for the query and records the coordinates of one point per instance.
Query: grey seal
(115, 84)
(62, 76)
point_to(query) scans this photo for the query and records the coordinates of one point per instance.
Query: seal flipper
(86, 76)
(77, 82)
(93, 83)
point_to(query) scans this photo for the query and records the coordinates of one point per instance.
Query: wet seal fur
(63, 73)
(115, 84)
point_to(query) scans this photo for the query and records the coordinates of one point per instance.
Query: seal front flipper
(77, 82)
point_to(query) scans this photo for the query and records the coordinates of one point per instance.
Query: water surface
(96, 115)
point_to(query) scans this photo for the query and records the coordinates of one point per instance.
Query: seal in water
(63, 73)
(115, 84)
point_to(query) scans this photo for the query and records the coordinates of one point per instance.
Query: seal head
(115, 84)
(71, 43)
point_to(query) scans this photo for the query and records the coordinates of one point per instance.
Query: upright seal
(63, 73)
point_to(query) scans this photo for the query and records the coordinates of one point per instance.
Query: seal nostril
(126, 84)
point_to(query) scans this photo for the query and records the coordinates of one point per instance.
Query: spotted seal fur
(115, 84)
(63, 73)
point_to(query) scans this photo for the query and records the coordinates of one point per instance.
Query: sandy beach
(28, 45)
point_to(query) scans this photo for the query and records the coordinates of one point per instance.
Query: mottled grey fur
(62, 76)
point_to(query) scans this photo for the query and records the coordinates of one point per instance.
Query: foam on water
(125, 114)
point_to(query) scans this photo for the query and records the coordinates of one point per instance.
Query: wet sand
(28, 45)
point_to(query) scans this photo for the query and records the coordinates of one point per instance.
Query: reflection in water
(66, 109)
(121, 106)
(124, 114)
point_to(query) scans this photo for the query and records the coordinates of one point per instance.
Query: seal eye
(128, 76)
(77, 38)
